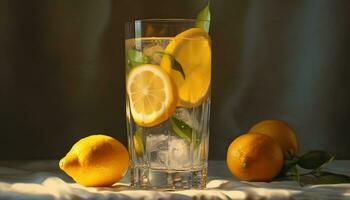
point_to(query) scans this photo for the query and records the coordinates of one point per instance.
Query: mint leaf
(135, 58)
(138, 142)
(314, 159)
(203, 18)
(184, 131)
(181, 129)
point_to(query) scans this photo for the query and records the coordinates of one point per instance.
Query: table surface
(43, 180)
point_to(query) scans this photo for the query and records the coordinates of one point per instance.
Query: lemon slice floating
(192, 50)
(152, 95)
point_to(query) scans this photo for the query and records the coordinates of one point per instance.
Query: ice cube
(156, 141)
(154, 52)
(157, 150)
(179, 153)
(158, 159)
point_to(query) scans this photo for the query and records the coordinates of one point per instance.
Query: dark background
(62, 66)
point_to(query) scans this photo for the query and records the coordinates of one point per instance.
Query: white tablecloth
(43, 180)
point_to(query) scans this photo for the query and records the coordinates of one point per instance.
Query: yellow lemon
(254, 157)
(281, 132)
(192, 50)
(152, 95)
(97, 160)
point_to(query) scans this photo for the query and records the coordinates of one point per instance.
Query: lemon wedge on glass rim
(192, 49)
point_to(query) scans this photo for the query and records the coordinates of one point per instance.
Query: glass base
(161, 179)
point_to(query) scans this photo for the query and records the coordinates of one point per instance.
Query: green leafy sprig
(309, 169)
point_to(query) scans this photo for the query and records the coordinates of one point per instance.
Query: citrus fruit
(152, 95)
(254, 157)
(96, 160)
(281, 132)
(192, 50)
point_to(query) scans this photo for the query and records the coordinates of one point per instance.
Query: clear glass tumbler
(168, 76)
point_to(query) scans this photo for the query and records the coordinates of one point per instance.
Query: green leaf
(135, 58)
(323, 177)
(295, 174)
(181, 129)
(138, 142)
(203, 18)
(314, 159)
(331, 178)
(175, 65)
(184, 131)
(288, 166)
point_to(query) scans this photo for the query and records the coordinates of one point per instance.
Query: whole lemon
(96, 160)
(281, 132)
(254, 157)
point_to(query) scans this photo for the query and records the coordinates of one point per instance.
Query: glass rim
(166, 20)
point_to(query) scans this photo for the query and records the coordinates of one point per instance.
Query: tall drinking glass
(168, 75)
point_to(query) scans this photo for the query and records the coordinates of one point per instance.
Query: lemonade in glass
(168, 76)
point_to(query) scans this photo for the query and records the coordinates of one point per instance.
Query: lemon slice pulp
(151, 94)
(192, 49)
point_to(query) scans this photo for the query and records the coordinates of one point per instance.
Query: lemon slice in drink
(151, 94)
(192, 50)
